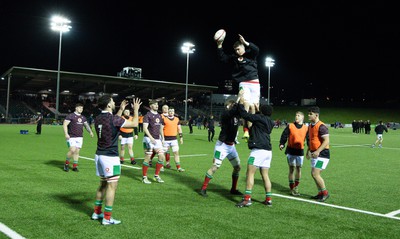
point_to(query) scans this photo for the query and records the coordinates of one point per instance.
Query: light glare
(187, 48)
(60, 24)
(269, 62)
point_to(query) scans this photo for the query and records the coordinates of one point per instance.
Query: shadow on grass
(205, 139)
(56, 163)
(195, 184)
(183, 178)
(284, 190)
(126, 169)
(78, 201)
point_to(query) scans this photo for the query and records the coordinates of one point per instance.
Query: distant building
(130, 72)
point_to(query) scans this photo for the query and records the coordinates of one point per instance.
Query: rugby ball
(220, 35)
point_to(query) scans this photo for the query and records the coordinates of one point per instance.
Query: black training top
(259, 131)
(246, 69)
(229, 125)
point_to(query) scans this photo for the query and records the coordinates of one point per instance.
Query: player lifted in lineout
(244, 72)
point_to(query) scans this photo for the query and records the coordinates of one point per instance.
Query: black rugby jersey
(107, 128)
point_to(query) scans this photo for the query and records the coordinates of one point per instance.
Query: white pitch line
(192, 155)
(347, 145)
(138, 168)
(392, 214)
(389, 215)
(10, 233)
(128, 166)
(86, 158)
(357, 145)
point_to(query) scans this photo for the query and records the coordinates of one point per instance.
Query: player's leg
(122, 153)
(220, 152)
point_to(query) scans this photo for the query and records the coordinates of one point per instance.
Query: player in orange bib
(172, 127)
(295, 134)
(318, 151)
(127, 137)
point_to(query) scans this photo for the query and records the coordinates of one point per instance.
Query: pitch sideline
(10, 233)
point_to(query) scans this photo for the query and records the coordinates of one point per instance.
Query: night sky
(340, 51)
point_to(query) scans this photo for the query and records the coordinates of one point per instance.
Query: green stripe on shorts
(217, 154)
(319, 164)
(117, 170)
(250, 161)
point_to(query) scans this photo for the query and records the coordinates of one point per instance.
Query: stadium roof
(32, 80)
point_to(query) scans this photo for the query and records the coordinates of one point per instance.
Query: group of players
(258, 126)
(161, 132)
(160, 135)
(296, 135)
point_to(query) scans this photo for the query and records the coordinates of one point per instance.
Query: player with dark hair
(153, 141)
(108, 166)
(172, 128)
(225, 147)
(261, 151)
(318, 151)
(164, 114)
(244, 72)
(379, 129)
(73, 131)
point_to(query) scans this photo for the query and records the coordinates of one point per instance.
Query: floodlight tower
(187, 48)
(61, 25)
(269, 62)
